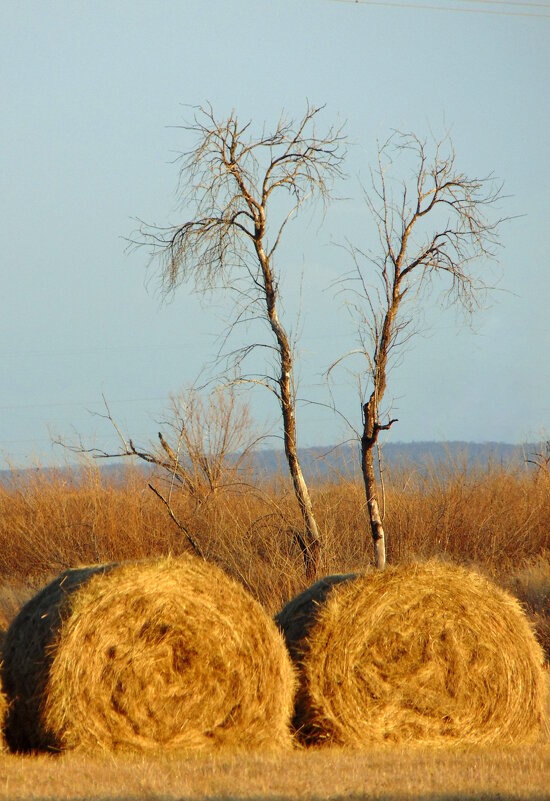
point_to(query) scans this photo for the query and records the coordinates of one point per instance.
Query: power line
(103, 438)
(502, 12)
(505, 3)
(16, 406)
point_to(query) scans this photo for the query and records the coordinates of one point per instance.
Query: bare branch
(194, 544)
(434, 225)
(227, 182)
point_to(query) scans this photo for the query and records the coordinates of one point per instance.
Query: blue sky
(91, 96)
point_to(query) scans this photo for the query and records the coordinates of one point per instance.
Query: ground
(405, 773)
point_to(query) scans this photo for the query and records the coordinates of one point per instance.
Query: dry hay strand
(163, 654)
(4, 621)
(431, 653)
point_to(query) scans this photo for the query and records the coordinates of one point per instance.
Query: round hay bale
(3, 699)
(28, 650)
(430, 652)
(3, 714)
(162, 654)
(4, 622)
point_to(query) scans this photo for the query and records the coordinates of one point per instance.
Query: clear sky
(91, 93)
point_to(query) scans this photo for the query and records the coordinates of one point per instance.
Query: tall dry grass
(497, 517)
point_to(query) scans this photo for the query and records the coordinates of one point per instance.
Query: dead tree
(230, 235)
(432, 228)
(205, 449)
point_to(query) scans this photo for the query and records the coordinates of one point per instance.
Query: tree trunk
(368, 442)
(378, 537)
(311, 542)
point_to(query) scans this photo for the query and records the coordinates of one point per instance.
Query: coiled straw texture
(430, 653)
(164, 654)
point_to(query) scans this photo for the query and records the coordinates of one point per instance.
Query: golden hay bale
(4, 622)
(169, 653)
(427, 652)
(3, 699)
(3, 713)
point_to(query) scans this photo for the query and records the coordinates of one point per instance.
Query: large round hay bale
(169, 653)
(430, 652)
(28, 650)
(3, 713)
(3, 699)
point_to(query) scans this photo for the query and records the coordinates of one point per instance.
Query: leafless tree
(203, 450)
(230, 235)
(431, 226)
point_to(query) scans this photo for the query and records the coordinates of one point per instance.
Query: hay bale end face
(164, 654)
(431, 653)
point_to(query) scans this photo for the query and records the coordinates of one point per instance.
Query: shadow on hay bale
(3, 713)
(3, 699)
(428, 652)
(164, 654)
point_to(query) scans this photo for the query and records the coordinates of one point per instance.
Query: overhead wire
(501, 12)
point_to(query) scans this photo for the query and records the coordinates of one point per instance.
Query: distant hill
(343, 461)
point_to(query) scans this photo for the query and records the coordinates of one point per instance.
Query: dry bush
(494, 516)
(55, 519)
(51, 521)
(531, 584)
(13, 594)
(431, 653)
(167, 653)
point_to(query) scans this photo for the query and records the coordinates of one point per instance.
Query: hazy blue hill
(343, 461)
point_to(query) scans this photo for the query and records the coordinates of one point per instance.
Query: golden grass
(506, 774)
(531, 584)
(420, 653)
(13, 594)
(495, 518)
(162, 654)
(498, 519)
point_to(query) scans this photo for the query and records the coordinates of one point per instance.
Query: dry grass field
(497, 519)
(401, 775)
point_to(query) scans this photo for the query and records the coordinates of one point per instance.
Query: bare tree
(227, 186)
(432, 225)
(203, 450)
